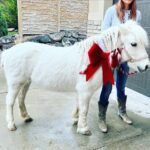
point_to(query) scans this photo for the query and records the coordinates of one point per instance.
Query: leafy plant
(9, 9)
(3, 25)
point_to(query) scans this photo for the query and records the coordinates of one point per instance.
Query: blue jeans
(121, 79)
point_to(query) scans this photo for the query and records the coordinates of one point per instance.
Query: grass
(12, 33)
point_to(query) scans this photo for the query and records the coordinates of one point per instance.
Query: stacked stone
(61, 39)
(7, 42)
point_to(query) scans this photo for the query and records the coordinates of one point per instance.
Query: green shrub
(9, 9)
(3, 25)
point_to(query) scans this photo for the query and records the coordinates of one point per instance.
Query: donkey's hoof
(74, 121)
(87, 133)
(27, 120)
(84, 131)
(12, 127)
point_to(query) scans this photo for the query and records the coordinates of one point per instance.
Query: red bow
(97, 58)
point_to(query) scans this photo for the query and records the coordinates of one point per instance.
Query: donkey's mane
(109, 37)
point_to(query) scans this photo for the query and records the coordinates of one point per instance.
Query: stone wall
(74, 15)
(39, 16)
(44, 16)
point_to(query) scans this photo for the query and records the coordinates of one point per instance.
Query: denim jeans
(121, 79)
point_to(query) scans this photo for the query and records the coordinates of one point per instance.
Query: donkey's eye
(134, 44)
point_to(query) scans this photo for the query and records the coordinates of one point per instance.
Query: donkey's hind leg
(21, 101)
(10, 101)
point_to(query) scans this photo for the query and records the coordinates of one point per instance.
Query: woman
(119, 13)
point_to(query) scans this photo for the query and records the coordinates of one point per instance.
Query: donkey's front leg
(75, 113)
(84, 99)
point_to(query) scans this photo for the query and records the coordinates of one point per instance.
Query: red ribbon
(115, 59)
(97, 58)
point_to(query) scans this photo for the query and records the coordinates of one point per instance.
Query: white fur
(58, 68)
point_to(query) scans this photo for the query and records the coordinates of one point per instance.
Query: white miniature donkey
(57, 68)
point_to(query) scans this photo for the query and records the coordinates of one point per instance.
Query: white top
(111, 18)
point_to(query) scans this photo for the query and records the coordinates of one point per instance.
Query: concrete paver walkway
(52, 127)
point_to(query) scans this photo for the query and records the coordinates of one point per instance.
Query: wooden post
(95, 16)
(20, 27)
(58, 19)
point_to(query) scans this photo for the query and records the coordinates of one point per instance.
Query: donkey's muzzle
(146, 67)
(143, 70)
